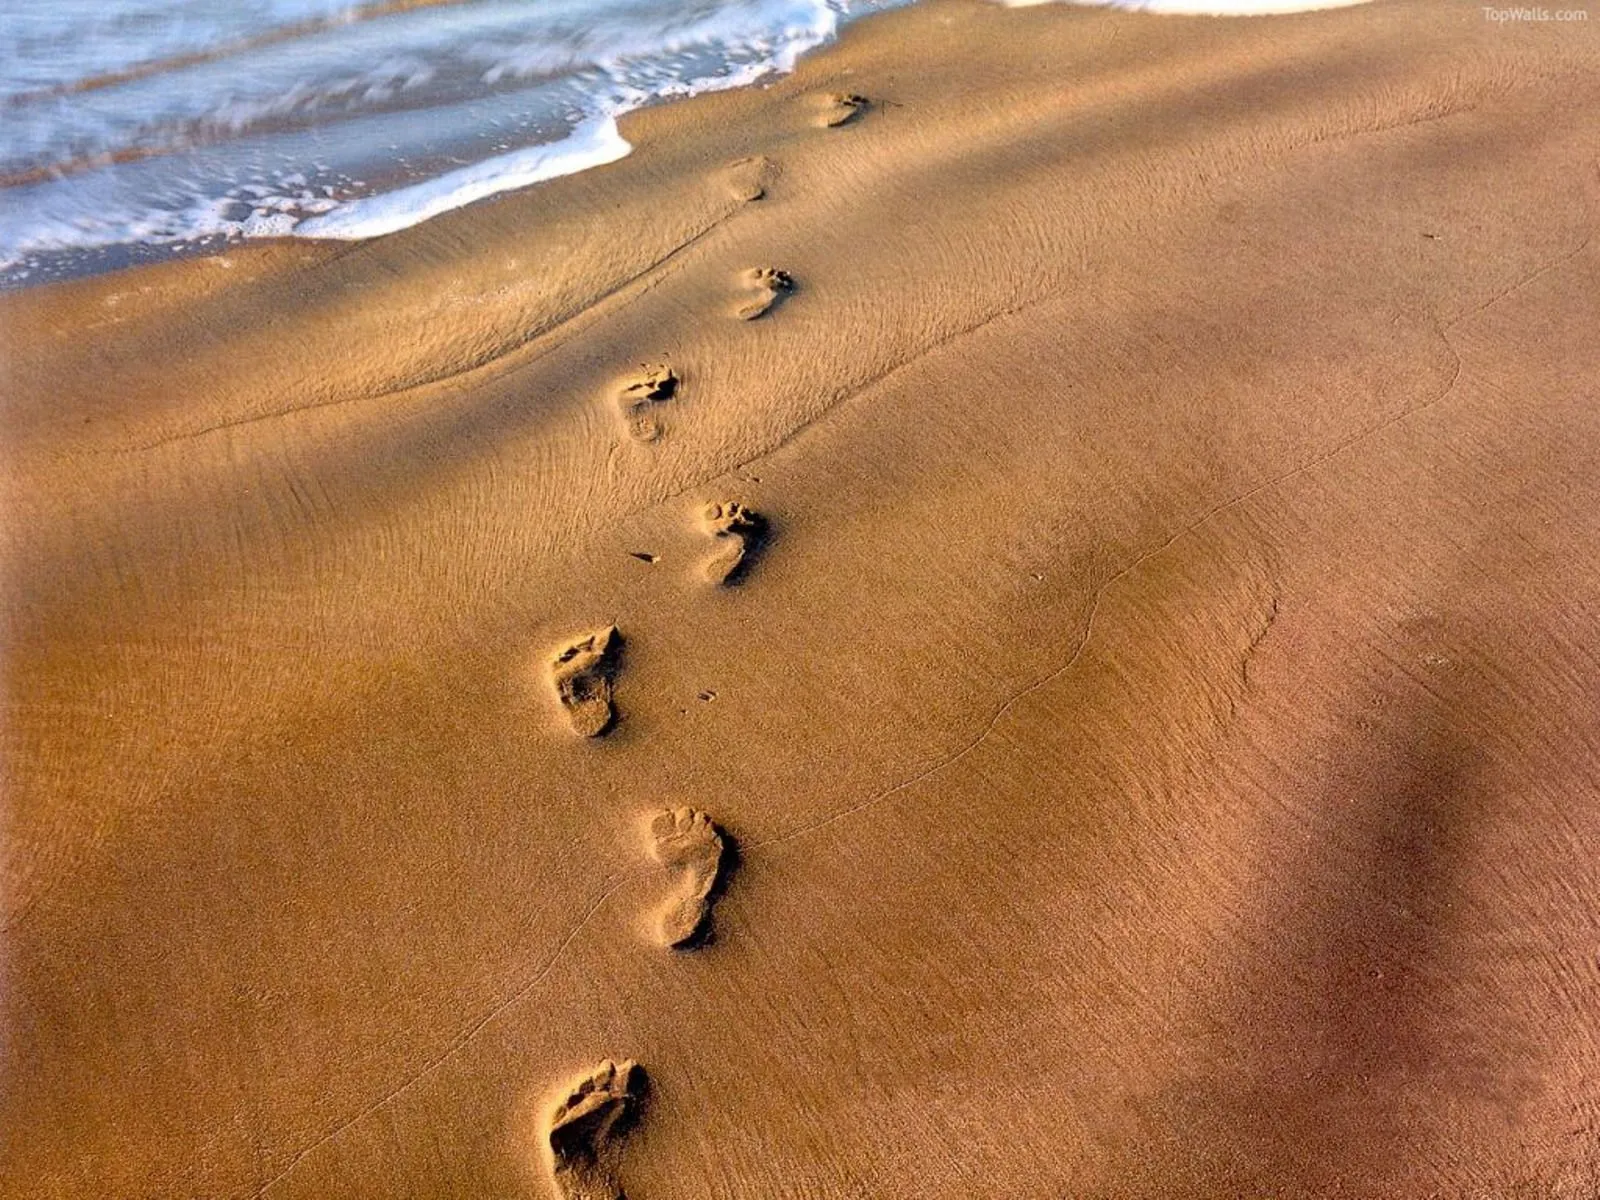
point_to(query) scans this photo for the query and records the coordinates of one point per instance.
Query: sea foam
(130, 126)
(138, 123)
(593, 143)
(1201, 8)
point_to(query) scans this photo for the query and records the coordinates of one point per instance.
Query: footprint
(841, 107)
(687, 843)
(586, 1130)
(582, 674)
(739, 533)
(768, 285)
(639, 397)
(749, 178)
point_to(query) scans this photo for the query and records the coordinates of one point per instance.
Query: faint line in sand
(1361, 435)
(526, 352)
(459, 1041)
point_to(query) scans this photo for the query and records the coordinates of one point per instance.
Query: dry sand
(1146, 743)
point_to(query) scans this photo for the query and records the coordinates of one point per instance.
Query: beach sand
(1136, 736)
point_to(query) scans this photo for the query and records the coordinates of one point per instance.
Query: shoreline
(441, 155)
(1099, 537)
(593, 142)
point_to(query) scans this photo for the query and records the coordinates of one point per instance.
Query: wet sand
(1088, 692)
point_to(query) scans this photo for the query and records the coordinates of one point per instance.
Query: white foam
(224, 151)
(265, 215)
(1201, 8)
(592, 143)
(795, 27)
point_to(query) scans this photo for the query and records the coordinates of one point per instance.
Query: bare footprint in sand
(739, 533)
(639, 397)
(766, 285)
(748, 178)
(687, 843)
(841, 108)
(582, 674)
(586, 1128)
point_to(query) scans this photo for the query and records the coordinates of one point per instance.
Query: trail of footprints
(642, 396)
(584, 1132)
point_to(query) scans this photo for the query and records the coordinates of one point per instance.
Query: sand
(1138, 739)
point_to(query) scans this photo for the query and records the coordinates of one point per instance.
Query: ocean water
(135, 129)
